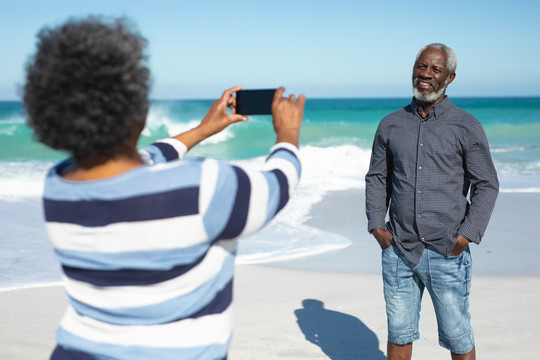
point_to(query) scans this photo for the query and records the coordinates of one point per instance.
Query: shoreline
(31, 286)
(509, 246)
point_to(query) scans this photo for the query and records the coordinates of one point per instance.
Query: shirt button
(419, 216)
(421, 144)
(420, 168)
(423, 238)
(419, 191)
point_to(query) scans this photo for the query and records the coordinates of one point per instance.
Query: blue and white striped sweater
(148, 256)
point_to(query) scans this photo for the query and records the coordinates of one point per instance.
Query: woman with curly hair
(146, 240)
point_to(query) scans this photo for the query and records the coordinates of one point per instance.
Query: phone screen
(254, 102)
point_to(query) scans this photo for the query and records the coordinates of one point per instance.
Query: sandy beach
(331, 306)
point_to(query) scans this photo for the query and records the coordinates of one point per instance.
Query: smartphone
(254, 102)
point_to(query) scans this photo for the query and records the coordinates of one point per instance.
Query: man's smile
(423, 85)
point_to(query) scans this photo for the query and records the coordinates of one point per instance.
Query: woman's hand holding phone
(287, 116)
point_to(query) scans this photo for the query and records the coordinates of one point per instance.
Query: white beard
(430, 97)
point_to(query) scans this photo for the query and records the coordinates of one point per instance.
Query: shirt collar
(435, 111)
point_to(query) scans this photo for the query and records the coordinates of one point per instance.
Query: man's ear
(451, 78)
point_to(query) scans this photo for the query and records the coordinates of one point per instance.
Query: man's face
(430, 76)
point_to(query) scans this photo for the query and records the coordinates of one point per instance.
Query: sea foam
(288, 236)
(159, 120)
(22, 180)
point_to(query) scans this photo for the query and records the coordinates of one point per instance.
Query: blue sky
(332, 48)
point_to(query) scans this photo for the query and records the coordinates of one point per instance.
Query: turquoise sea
(335, 149)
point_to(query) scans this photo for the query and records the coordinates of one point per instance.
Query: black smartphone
(254, 102)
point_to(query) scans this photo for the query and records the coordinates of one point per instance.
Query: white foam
(509, 149)
(8, 130)
(31, 286)
(513, 183)
(323, 170)
(10, 126)
(16, 119)
(22, 180)
(158, 118)
(524, 190)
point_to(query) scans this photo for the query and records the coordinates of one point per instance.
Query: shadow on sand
(340, 336)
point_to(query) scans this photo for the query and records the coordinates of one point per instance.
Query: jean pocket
(450, 278)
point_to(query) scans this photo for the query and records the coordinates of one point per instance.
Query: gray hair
(451, 58)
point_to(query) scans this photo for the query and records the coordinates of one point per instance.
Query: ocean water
(335, 150)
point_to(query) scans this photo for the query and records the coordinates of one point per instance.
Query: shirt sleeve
(484, 186)
(236, 201)
(163, 151)
(378, 181)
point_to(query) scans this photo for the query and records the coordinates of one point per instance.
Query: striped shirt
(422, 170)
(148, 255)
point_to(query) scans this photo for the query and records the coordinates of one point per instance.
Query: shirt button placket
(419, 157)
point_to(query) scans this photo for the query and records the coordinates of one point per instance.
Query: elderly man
(427, 158)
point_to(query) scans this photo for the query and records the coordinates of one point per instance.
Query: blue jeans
(448, 280)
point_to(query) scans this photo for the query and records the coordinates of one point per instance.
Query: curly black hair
(87, 86)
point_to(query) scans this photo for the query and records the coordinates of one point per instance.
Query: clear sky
(332, 48)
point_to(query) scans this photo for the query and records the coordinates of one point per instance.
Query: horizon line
(341, 98)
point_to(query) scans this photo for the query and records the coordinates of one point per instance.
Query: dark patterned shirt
(421, 172)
